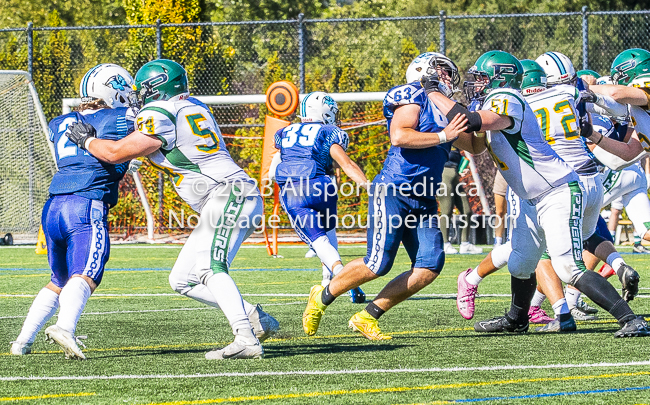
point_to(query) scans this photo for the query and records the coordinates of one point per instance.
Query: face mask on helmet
(476, 90)
(434, 62)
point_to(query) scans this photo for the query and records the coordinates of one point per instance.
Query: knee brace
(501, 255)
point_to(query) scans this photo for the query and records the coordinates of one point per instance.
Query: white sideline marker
(330, 372)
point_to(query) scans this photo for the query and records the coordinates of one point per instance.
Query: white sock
(225, 291)
(447, 244)
(72, 300)
(43, 308)
(327, 276)
(615, 260)
(572, 295)
(498, 241)
(337, 269)
(561, 307)
(248, 307)
(473, 278)
(537, 300)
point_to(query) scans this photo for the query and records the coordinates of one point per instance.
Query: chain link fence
(336, 55)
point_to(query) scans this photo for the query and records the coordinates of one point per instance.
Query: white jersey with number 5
(526, 161)
(193, 152)
(556, 113)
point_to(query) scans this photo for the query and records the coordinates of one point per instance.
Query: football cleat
(368, 326)
(470, 249)
(556, 326)
(500, 324)
(637, 327)
(66, 340)
(629, 280)
(357, 296)
(264, 325)
(586, 308)
(466, 296)
(314, 311)
(639, 248)
(20, 348)
(606, 271)
(241, 348)
(538, 315)
(578, 315)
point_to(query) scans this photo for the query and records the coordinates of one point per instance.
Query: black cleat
(629, 280)
(637, 327)
(501, 324)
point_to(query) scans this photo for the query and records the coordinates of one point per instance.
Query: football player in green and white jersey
(551, 198)
(180, 137)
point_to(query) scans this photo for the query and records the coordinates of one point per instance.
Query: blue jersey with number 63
(417, 168)
(80, 173)
(305, 150)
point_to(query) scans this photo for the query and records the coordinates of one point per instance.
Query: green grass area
(146, 349)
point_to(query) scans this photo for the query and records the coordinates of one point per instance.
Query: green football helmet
(630, 64)
(493, 70)
(160, 79)
(533, 79)
(588, 72)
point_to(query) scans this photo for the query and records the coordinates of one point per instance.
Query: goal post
(27, 161)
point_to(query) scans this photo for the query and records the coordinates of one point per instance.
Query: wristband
(88, 141)
(442, 136)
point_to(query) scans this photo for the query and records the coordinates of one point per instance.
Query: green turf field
(146, 344)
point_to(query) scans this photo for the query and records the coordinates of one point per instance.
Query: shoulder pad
(412, 93)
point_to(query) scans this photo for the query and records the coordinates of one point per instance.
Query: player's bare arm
(348, 166)
(135, 145)
(623, 94)
(403, 133)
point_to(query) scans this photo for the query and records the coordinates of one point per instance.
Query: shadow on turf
(327, 348)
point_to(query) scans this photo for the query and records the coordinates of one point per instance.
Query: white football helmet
(109, 82)
(427, 63)
(558, 68)
(319, 106)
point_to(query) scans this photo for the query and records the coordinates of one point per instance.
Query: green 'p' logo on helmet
(493, 70)
(629, 64)
(160, 79)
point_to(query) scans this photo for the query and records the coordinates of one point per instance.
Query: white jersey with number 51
(523, 157)
(193, 152)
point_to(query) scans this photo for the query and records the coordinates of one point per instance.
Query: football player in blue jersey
(309, 196)
(402, 204)
(74, 217)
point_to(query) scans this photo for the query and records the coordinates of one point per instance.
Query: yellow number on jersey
(568, 119)
(498, 161)
(500, 106)
(542, 117)
(206, 133)
(146, 126)
(176, 177)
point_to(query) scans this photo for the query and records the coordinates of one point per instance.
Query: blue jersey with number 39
(305, 150)
(80, 173)
(421, 167)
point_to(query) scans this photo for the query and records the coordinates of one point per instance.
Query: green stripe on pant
(575, 224)
(223, 231)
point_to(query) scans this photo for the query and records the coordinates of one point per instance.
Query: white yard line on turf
(330, 372)
(157, 310)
